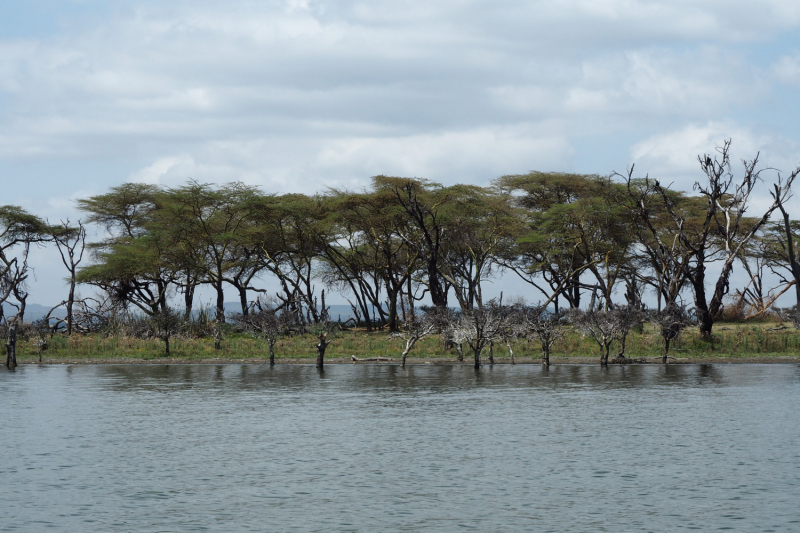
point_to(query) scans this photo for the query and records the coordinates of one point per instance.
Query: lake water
(377, 448)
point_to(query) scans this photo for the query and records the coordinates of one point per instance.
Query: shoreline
(554, 361)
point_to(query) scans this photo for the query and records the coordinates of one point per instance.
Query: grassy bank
(731, 342)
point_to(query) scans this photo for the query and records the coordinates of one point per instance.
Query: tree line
(576, 242)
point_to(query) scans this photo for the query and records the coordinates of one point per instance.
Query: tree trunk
(220, 303)
(545, 355)
(705, 321)
(791, 252)
(243, 300)
(188, 298)
(510, 352)
(604, 354)
(271, 353)
(166, 345)
(491, 353)
(704, 318)
(720, 289)
(70, 302)
(622, 342)
(321, 350)
(666, 351)
(11, 347)
(477, 358)
(391, 295)
(437, 293)
(460, 352)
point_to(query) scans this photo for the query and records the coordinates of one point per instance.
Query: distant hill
(36, 311)
(33, 311)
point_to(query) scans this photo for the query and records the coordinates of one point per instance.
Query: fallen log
(365, 359)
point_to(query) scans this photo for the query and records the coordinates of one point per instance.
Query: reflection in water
(380, 448)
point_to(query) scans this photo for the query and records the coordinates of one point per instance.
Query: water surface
(377, 448)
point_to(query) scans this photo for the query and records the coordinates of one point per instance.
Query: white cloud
(787, 69)
(453, 157)
(163, 169)
(672, 157)
(296, 95)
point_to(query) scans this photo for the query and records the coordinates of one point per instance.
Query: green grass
(729, 340)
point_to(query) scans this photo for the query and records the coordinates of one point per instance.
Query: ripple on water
(377, 448)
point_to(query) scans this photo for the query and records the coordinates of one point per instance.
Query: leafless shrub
(265, 321)
(607, 326)
(671, 320)
(415, 329)
(477, 328)
(790, 314)
(163, 324)
(544, 325)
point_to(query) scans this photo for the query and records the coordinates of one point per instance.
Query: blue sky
(298, 95)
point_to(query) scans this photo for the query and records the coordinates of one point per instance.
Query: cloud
(298, 95)
(164, 167)
(672, 157)
(787, 69)
(309, 165)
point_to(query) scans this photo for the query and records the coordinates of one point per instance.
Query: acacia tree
(479, 225)
(724, 230)
(658, 244)
(571, 224)
(426, 204)
(18, 230)
(758, 259)
(375, 227)
(349, 261)
(131, 262)
(286, 230)
(206, 226)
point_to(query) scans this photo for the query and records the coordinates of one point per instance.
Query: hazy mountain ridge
(34, 311)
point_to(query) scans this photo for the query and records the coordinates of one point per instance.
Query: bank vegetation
(590, 250)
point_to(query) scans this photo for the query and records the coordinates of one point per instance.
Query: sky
(297, 96)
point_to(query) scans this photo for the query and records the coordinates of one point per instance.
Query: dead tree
(413, 330)
(478, 328)
(671, 320)
(723, 230)
(163, 324)
(326, 333)
(605, 327)
(71, 243)
(628, 316)
(790, 248)
(11, 345)
(41, 328)
(757, 297)
(265, 321)
(545, 326)
(514, 327)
